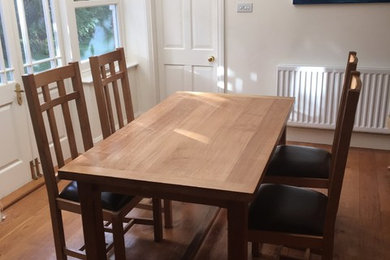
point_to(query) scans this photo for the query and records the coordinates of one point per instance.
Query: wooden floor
(362, 228)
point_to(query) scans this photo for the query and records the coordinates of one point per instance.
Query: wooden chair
(109, 73)
(115, 206)
(300, 217)
(303, 165)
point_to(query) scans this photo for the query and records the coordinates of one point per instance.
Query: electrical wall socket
(245, 8)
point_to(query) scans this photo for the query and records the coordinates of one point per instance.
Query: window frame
(69, 21)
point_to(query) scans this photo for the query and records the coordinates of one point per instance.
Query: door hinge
(35, 169)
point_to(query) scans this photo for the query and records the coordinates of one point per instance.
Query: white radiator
(317, 92)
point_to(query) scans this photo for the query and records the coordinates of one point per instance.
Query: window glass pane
(3, 46)
(96, 30)
(10, 76)
(6, 73)
(20, 34)
(36, 29)
(42, 66)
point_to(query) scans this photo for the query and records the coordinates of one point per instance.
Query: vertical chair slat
(126, 87)
(68, 121)
(116, 96)
(100, 97)
(53, 127)
(82, 108)
(108, 100)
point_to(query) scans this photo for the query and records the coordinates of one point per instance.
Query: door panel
(174, 78)
(15, 150)
(203, 24)
(203, 79)
(173, 24)
(8, 141)
(187, 36)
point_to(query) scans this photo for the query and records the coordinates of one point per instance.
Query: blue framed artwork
(305, 2)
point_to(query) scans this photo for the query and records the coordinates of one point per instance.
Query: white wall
(139, 48)
(278, 32)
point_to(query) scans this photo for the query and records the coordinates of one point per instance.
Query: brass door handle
(18, 92)
(211, 59)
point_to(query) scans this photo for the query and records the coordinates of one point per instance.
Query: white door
(28, 44)
(15, 146)
(190, 45)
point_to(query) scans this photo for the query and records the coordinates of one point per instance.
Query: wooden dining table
(204, 148)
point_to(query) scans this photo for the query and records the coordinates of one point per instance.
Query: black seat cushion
(286, 208)
(299, 161)
(110, 201)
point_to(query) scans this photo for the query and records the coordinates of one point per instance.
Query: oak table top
(202, 146)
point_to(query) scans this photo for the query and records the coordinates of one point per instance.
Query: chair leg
(168, 213)
(256, 249)
(282, 140)
(307, 254)
(157, 219)
(118, 236)
(327, 254)
(58, 232)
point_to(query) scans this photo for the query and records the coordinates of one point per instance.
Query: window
(96, 27)
(38, 35)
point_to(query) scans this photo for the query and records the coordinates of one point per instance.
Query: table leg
(157, 220)
(237, 231)
(168, 213)
(92, 219)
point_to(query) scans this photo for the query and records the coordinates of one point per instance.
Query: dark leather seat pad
(110, 201)
(286, 208)
(299, 161)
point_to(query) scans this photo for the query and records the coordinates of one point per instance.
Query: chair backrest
(341, 148)
(34, 83)
(351, 66)
(106, 73)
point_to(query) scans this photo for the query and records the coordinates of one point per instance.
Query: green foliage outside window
(89, 20)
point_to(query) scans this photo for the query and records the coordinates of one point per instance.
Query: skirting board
(321, 136)
(22, 192)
